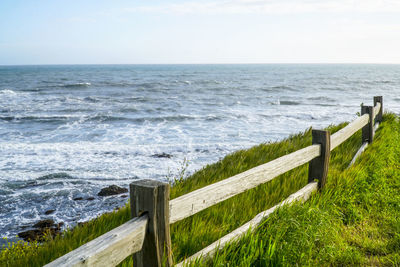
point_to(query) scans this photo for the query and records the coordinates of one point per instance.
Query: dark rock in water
(112, 190)
(31, 235)
(162, 155)
(90, 198)
(38, 234)
(78, 198)
(44, 223)
(43, 227)
(48, 212)
(124, 196)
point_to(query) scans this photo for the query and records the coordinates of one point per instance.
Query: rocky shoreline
(44, 227)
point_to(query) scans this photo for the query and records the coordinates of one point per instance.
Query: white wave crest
(7, 92)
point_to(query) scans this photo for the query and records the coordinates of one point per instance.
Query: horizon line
(270, 63)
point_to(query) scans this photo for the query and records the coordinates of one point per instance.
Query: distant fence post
(318, 167)
(152, 197)
(368, 130)
(378, 99)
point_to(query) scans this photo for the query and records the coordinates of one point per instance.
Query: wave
(31, 90)
(35, 118)
(207, 82)
(118, 84)
(4, 192)
(377, 81)
(128, 110)
(58, 175)
(384, 81)
(7, 92)
(321, 98)
(13, 185)
(91, 99)
(324, 105)
(106, 118)
(288, 103)
(76, 85)
(52, 86)
(110, 118)
(278, 88)
(284, 87)
(103, 118)
(149, 85)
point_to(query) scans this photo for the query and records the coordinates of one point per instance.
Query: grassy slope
(194, 233)
(354, 221)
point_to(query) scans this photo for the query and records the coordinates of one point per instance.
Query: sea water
(68, 131)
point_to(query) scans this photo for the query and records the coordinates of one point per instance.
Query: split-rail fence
(147, 234)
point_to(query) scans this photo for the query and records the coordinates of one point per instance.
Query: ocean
(66, 131)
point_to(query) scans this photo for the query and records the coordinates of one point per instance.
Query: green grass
(355, 220)
(288, 236)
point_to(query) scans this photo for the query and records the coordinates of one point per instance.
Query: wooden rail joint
(318, 167)
(378, 99)
(368, 130)
(152, 197)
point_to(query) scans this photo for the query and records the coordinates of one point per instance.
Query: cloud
(273, 7)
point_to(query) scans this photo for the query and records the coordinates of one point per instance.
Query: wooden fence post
(368, 130)
(152, 197)
(378, 99)
(318, 167)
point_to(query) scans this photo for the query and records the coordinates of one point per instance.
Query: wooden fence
(147, 235)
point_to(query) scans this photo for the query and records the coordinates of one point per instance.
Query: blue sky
(199, 31)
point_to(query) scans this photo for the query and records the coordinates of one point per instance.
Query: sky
(199, 31)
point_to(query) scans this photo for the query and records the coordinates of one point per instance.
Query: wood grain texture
(301, 195)
(378, 112)
(191, 203)
(318, 168)
(109, 249)
(345, 133)
(152, 197)
(368, 129)
(378, 109)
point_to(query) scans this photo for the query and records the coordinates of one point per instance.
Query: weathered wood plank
(344, 134)
(301, 195)
(368, 129)
(378, 112)
(152, 197)
(318, 168)
(109, 249)
(191, 203)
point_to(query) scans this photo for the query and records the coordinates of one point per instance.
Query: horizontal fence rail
(342, 135)
(147, 234)
(109, 249)
(210, 195)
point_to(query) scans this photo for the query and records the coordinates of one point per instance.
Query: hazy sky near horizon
(199, 31)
